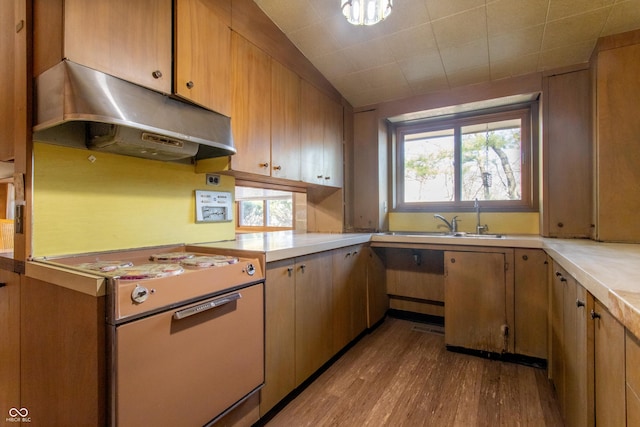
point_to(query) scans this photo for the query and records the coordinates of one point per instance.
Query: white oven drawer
(187, 369)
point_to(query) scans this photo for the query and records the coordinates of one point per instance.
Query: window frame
(528, 113)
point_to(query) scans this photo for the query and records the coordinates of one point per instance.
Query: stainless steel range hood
(83, 108)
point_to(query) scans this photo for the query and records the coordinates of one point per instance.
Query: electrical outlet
(213, 179)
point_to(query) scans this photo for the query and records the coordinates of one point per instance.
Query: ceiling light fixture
(366, 12)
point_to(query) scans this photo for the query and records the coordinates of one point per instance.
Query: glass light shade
(366, 12)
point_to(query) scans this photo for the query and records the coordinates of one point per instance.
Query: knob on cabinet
(156, 74)
(190, 84)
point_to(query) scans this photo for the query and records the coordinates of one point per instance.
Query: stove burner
(148, 271)
(171, 256)
(209, 261)
(104, 266)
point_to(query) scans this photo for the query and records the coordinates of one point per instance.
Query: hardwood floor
(401, 375)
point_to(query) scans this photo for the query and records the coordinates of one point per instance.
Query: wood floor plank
(400, 375)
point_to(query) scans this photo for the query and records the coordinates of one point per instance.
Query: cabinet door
(251, 110)
(127, 39)
(349, 295)
(333, 168)
(557, 351)
(202, 56)
(531, 302)
(609, 341)
(7, 79)
(285, 122)
(475, 301)
(617, 128)
(377, 298)
(10, 333)
(632, 358)
(568, 156)
(312, 134)
(314, 322)
(279, 378)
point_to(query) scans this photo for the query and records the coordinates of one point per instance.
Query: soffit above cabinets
(432, 45)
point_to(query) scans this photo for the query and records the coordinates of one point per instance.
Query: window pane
(280, 213)
(429, 166)
(251, 213)
(491, 159)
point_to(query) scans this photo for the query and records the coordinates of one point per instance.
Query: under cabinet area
(415, 280)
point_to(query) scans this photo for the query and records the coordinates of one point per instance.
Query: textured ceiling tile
(573, 30)
(374, 53)
(469, 76)
(505, 16)
(374, 96)
(624, 16)
(514, 66)
(314, 40)
(405, 14)
(461, 29)
(411, 42)
(567, 55)
(516, 43)
(440, 9)
(334, 64)
(423, 67)
(559, 9)
(292, 15)
(471, 55)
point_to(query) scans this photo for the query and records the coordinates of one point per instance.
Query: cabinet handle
(579, 303)
(277, 168)
(562, 279)
(558, 274)
(190, 84)
(560, 225)
(302, 267)
(2, 284)
(264, 165)
(524, 257)
(289, 271)
(319, 176)
(156, 74)
(594, 315)
(327, 177)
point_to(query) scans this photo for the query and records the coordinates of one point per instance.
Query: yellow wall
(500, 223)
(116, 202)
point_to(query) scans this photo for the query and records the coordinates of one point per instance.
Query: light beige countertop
(610, 271)
(281, 245)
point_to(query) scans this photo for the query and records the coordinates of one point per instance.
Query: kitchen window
(446, 164)
(260, 209)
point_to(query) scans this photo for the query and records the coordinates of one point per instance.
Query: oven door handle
(181, 314)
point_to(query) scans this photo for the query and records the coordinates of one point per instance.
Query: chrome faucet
(452, 226)
(479, 228)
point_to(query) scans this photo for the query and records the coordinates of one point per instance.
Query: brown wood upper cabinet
(617, 64)
(127, 39)
(567, 162)
(322, 123)
(251, 109)
(202, 55)
(285, 122)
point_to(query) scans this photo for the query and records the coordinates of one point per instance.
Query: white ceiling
(432, 45)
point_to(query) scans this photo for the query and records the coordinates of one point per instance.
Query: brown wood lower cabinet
(531, 302)
(10, 346)
(632, 357)
(587, 356)
(314, 306)
(478, 298)
(609, 368)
